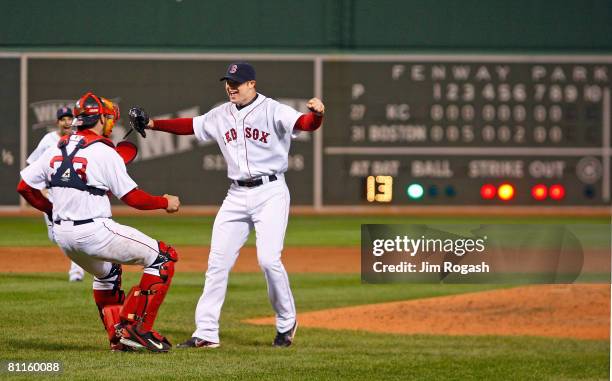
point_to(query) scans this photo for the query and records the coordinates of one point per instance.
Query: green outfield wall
(314, 25)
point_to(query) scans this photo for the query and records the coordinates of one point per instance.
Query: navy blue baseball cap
(64, 111)
(239, 72)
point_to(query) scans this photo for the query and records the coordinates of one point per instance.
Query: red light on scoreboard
(539, 192)
(556, 192)
(488, 191)
(505, 192)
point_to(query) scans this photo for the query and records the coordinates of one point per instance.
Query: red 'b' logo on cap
(233, 69)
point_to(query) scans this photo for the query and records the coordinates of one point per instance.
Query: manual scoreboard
(399, 130)
(467, 130)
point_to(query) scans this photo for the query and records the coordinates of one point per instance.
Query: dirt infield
(194, 258)
(576, 311)
(567, 311)
(295, 259)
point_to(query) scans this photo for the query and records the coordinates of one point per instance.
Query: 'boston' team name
(250, 133)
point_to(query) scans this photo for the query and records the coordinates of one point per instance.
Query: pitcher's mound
(580, 311)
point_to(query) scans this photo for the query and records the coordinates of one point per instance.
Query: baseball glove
(138, 120)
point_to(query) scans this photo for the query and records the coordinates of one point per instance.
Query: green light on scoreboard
(415, 191)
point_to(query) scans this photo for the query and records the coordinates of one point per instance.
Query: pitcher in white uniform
(64, 127)
(80, 171)
(254, 135)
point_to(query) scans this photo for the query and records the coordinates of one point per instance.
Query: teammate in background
(79, 172)
(254, 135)
(64, 127)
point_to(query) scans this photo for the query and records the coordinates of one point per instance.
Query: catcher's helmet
(90, 107)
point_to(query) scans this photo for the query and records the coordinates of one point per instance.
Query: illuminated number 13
(379, 188)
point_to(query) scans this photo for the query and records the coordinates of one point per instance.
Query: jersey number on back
(79, 164)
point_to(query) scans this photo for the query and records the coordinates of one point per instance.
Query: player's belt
(75, 223)
(256, 182)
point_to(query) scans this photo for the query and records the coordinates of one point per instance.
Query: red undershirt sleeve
(308, 122)
(34, 197)
(180, 126)
(141, 200)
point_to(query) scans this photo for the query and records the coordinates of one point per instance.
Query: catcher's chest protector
(66, 176)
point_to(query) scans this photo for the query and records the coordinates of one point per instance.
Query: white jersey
(255, 140)
(99, 164)
(49, 140)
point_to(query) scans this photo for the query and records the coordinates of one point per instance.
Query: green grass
(45, 318)
(302, 230)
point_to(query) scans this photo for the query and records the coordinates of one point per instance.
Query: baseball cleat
(118, 347)
(150, 340)
(195, 342)
(285, 339)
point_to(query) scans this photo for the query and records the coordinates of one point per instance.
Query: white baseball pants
(266, 209)
(98, 244)
(76, 272)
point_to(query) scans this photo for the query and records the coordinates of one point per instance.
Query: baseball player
(80, 172)
(64, 127)
(254, 135)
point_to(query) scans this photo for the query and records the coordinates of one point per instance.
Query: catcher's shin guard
(109, 302)
(111, 319)
(143, 301)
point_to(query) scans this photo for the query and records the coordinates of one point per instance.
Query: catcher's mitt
(138, 120)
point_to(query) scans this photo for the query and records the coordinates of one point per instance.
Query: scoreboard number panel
(379, 188)
(473, 130)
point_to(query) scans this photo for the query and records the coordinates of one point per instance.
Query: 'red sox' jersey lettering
(260, 136)
(250, 133)
(255, 134)
(230, 135)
